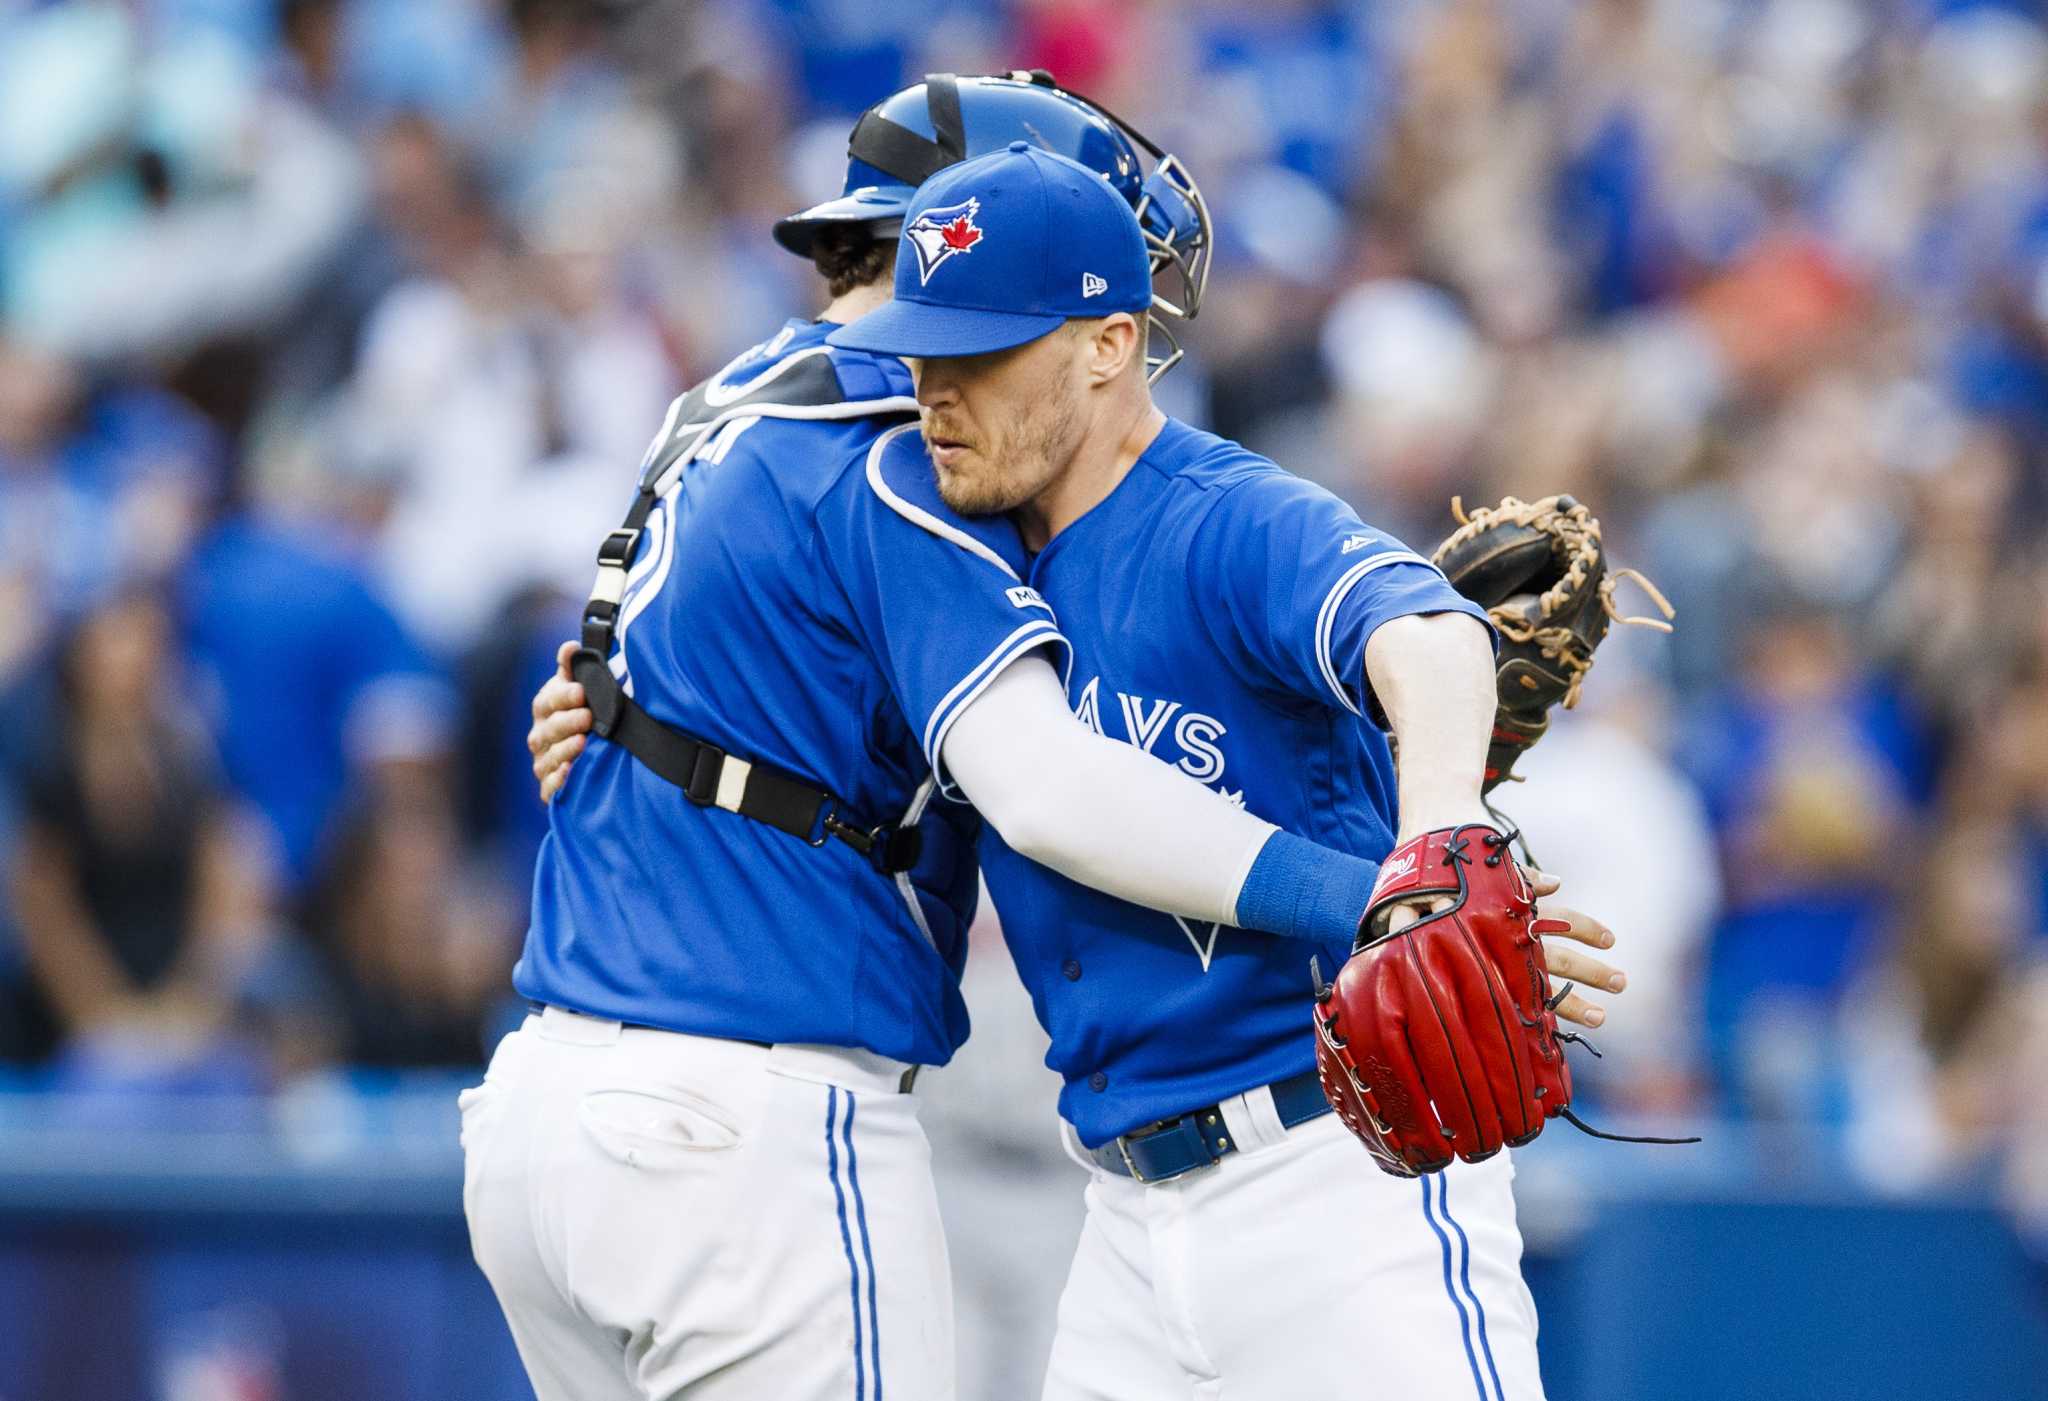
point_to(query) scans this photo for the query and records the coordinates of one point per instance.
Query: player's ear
(1114, 343)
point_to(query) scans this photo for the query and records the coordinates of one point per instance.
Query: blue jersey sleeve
(938, 597)
(1300, 583)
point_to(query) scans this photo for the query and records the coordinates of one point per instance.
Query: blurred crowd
(331, 332)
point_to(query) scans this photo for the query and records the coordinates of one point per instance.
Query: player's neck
(1113, 446)
(851, 306)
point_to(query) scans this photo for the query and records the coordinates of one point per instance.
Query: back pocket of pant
(643, 1129)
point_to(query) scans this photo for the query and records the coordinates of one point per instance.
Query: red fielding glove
(1439, 1041)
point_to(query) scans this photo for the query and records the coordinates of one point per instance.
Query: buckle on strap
(617, 550)
(614, 561)
(888, 848)
(705, 767)
(900, 850)
(600, 619)
(600, 689)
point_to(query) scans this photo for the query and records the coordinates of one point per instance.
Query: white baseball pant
(670, 1216)
(1296, 1268)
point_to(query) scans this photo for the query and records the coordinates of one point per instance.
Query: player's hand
(1414, 823)
(561, 719)
(1403, 915)
(1567, 964)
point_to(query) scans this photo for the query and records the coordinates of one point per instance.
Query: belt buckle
(1131, 1167)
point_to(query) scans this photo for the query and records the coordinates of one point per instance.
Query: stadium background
(330, 331)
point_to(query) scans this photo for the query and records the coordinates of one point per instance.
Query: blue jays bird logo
(939, 234)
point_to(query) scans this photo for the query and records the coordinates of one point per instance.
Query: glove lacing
(1578, 531)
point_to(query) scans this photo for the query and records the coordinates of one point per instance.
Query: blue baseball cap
(1002, 249)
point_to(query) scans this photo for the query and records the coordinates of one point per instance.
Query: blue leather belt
(1172, 1147)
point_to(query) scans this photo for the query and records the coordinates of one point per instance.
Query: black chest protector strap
(708, 775)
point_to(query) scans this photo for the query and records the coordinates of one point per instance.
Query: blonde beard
(985, 494)
(1050, 435)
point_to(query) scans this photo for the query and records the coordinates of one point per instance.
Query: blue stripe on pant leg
(860, 1386)
(1443, 1202)
(1450, 1290)
(860, 1205)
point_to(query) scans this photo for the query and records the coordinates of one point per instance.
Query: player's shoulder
(796, 367)
(788, 381)
(894, 480)
(1224, 478)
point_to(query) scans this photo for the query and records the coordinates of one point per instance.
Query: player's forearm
(1096, 811)
(1112, 817)
(1433, 675)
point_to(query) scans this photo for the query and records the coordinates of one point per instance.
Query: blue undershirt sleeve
(1300, 890)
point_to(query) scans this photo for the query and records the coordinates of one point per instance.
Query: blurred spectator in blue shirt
(1809, 766)
(309, 682)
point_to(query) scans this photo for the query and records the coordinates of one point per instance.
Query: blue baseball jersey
(790, 604)
(1218, 609)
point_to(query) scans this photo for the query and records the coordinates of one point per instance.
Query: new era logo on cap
(940, 234)
(1092, 286)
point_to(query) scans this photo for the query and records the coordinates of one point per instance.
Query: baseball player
(1250, 629)
(697, 1169)
(1233, 616)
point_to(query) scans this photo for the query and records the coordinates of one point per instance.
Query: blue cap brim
(942, 332)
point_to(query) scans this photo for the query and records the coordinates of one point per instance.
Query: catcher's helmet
(911, 135)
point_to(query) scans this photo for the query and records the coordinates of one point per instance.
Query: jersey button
(1098, 1082)
(1071, 970)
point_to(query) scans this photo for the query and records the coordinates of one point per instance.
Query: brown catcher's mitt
(1539, 570)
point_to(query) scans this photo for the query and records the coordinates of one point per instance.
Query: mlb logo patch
(943, 233)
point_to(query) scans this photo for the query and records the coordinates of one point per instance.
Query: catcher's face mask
(911, 135)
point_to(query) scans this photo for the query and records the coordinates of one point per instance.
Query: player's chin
(965, 490)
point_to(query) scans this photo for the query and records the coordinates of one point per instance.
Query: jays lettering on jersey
(1218, 610)
(789, 606)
